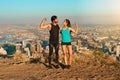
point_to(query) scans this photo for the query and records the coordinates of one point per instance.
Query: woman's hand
(76, 24)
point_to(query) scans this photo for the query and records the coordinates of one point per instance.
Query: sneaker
(50, 67)
(68, 66)
(57, 66)
(65, 66)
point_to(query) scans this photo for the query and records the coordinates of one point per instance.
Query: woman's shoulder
(69, 28)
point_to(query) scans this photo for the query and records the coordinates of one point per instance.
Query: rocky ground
(85, 67)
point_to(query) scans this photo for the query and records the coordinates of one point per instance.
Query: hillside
(94, 66)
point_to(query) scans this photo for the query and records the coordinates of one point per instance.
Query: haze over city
(81, 11)
(86, 49)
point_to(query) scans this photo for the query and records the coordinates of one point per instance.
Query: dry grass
(94, 66)
(96, 58)
(20, 57)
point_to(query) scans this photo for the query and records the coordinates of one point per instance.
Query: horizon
(80, 11)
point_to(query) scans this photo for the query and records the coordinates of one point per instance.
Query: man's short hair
(53, 18)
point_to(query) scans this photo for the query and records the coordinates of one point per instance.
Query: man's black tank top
(54, 34)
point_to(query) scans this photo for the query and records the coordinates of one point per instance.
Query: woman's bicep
(72, 30)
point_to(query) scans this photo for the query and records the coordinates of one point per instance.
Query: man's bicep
(49, 27)
(45, 26)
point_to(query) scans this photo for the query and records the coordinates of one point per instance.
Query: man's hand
(45, 19)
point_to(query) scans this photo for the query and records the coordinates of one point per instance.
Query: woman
(66, 41)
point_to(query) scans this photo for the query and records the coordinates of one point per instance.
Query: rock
(20, 57)
(110, 59)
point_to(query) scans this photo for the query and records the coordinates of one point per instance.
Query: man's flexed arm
(42, 25)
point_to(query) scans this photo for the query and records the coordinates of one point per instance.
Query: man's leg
(50, 53)
(56, 52)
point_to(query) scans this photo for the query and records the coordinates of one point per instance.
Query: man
(54, 37)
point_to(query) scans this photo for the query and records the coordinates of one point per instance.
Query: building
(118, 51)
(2, 51)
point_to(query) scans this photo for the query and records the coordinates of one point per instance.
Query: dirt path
(41, 72)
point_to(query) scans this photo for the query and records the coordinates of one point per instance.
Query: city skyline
(81, 11)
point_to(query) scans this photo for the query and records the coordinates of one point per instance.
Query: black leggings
(56, 47)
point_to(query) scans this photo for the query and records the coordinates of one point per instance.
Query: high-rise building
(118, 50)
(27, 51)
(32, 48)
(38, 48)
(79, 43)
(23, 44)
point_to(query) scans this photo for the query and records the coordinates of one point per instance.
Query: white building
(27, 51)
(118, 50)
(2, 51)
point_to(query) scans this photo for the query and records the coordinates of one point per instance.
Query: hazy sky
(82, 11)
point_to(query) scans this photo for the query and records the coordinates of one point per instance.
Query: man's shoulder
(49, 24)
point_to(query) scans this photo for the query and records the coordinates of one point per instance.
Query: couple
(65, 31)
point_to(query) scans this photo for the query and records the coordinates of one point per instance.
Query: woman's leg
(70, 53)
(64, 52)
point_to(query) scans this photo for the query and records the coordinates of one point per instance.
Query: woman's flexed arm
(74, 30)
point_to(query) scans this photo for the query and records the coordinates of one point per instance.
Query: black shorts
(65, 43)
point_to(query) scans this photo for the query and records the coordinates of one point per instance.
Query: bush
(98, 53)
(11, 49)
